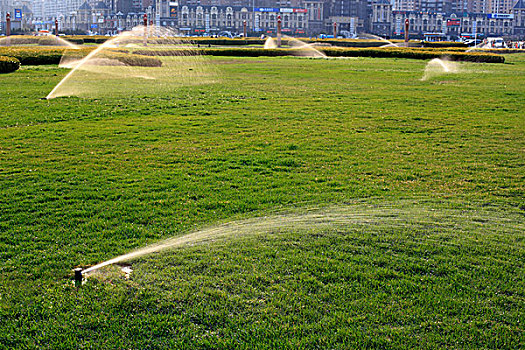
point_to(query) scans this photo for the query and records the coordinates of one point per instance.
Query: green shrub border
(39, 56)
(8, 64)
(340, 52)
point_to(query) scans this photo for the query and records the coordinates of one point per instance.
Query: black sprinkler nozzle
(78, 277)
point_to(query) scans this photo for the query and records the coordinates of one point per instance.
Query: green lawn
(430, 175)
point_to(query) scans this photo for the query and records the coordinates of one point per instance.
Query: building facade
(446, 18)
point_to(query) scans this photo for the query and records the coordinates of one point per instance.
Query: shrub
(40, 56)
(335, 52)
(96, 39)
(121, 56)
(443, 44)
(75, 40)
(34, 56)
(8, 64)
(48, 41)
(349, 43)
(133, 60)
(20, 40)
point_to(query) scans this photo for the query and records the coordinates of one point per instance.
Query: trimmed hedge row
(443, 44)
(92, 39)
(130, 59)
(8, 64)
(285, 41)
(338, 52)
(48, 40)
(139, 57)
(40, 56)
(75, 40)
(20, 40)
(415, 54)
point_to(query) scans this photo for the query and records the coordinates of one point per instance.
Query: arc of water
(81, 63)
(271, 44)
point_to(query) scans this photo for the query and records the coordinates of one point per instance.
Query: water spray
(320, 218)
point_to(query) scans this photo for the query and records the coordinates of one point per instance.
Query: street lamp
(279, 31)
(407, 24)
(8, 24)
(145, 21)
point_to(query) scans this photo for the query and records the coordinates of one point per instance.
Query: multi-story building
(315, 16)
(452, 25)
(519, 18)
(500, 6)
(299, 17)
(213, 19)
(381, 23)
(349, 15)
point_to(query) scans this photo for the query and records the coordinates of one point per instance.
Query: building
(518, 12)
(381, 23)
(453, 25)
(351, 16)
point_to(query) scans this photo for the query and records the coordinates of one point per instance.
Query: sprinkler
(78, 277)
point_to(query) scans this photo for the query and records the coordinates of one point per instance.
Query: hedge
(20, 40)
(285, 41)
(442, 44)
(335, 52)
(132, 60)
(40, 56)
(92, 39)
(415, 54)
(8, 64)
(47, 40)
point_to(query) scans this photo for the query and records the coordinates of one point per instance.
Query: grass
(86, 179)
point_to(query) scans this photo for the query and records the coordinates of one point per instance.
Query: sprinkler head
(78, 277)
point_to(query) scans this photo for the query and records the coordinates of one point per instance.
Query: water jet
(122, 66)
(438, 66)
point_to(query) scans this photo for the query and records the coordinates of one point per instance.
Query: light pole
(145, 21)
(8, 24)
(279, 31)
(407, 23)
